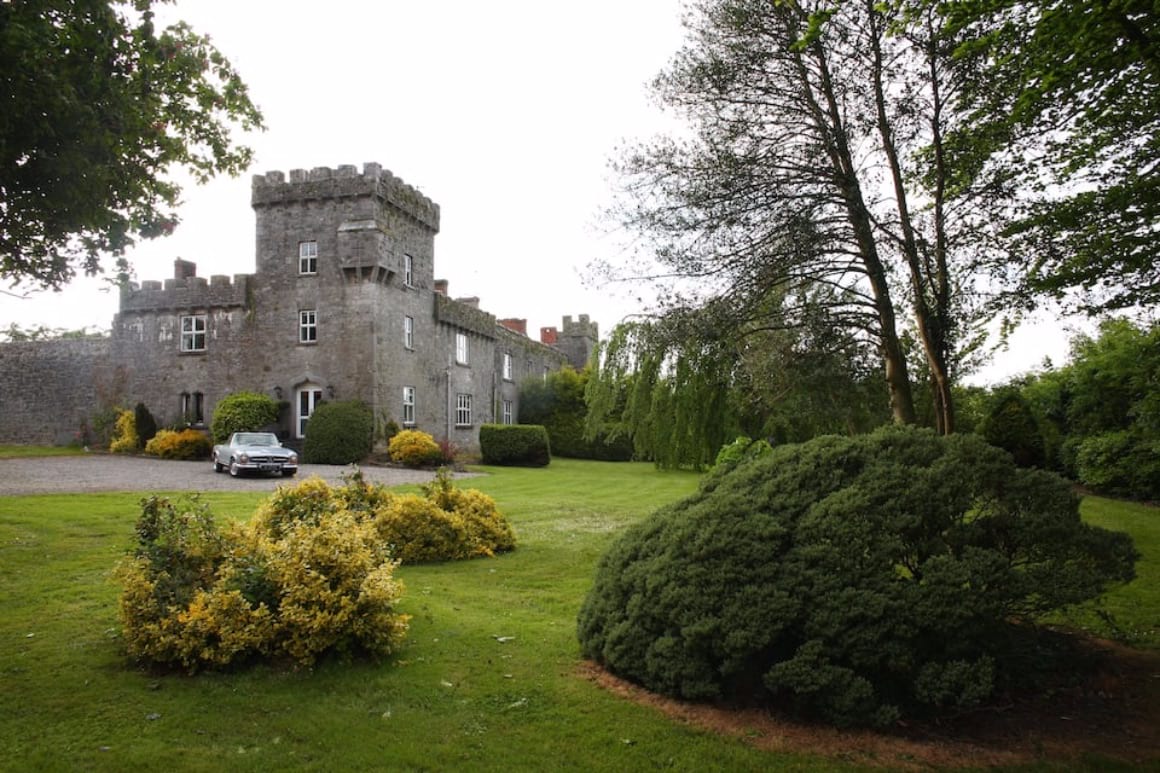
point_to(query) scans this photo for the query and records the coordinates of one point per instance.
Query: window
(193, 333)
(408, 270)
(307, 257)
(193, 407)
(461, 348)
(507, 411)
(507, 366)
(307, 326)
(409, 405)
(409, 332)
(463, 410)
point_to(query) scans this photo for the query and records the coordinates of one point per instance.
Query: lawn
(490, 678)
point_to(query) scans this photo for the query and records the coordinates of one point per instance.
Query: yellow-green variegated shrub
(194, 597)
(188, 444)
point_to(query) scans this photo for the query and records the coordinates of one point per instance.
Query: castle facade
(343, 305)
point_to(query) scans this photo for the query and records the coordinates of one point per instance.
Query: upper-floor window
(307, 257)
(193, 333)
(507, 411)
(461, 348)
(507, 366)
(409, 332)
(307, 326)
(408, 405)
(408, 270)
(463, 410)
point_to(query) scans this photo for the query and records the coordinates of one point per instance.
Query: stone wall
(52, 388)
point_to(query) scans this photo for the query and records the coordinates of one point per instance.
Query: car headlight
(293, 458)
(244, 458)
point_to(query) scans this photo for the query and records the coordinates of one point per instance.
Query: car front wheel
(235, 471)
(217, 466)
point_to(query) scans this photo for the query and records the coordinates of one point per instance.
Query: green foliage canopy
(1060, 101)
(97, 109)
(339, 433)
(853, 579)
(242, 412)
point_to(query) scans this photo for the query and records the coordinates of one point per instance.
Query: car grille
(268, 459)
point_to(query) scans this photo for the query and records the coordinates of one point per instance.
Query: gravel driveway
(101, 472)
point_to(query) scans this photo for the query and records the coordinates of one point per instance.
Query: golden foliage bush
(414, 449)
(187, 444)
(312, 572)
(125, 439)
(193, 596)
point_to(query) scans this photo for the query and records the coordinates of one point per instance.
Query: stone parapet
(344, 181)
(463, 316)
(218, 292)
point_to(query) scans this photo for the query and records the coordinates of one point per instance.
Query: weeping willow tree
(685, 383)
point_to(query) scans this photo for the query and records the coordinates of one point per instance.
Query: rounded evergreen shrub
(1011, 425)
(855, 580)
(339, 433)
(242, 412)
(740, 449)
(1122, 463)
(522, 445)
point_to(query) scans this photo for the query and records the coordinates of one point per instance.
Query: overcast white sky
(504, 113)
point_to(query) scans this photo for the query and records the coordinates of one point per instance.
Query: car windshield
(256, 439)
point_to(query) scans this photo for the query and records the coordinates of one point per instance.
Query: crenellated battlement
(345, 181)
(186, 292)
(580, 328)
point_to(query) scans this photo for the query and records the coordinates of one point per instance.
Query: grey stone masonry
(342, 305)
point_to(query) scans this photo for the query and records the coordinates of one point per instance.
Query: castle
(343, 305)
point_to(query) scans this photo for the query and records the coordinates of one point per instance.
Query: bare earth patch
(1115, 715)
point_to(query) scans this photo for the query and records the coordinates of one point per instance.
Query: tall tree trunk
(929, 302)
(828, 114)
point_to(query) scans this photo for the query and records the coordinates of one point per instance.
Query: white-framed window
(463, 410)
(307, 326)
(409, 405)
(193, 333)
(408, 270)
(507, 412)
(461, 348)
(409, 332)
(507, 366)
(307, 257)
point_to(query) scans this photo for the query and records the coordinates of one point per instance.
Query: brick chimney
(441, 286)
(184, 269)
(548, 335)
(516, 325)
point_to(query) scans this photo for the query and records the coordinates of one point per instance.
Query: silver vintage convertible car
(254, 452)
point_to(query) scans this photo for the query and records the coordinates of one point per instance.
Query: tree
(98, 109)
(1061, 104)
(815, 164)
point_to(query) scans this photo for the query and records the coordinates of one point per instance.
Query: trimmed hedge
(242, 412)
(518, 445)
(339, 433)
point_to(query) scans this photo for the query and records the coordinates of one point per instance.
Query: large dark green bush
(146, 424)
(1123, 463)
(242, 412)
(557, 402)
(339, 433)
(852, 579)
(522, 445)
(1011, 425)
